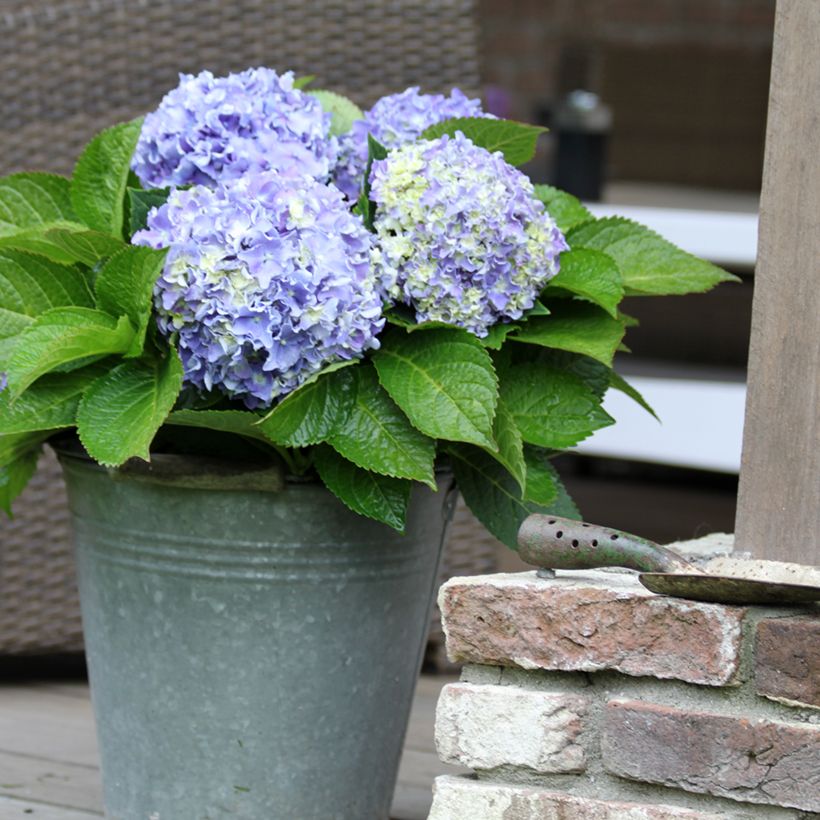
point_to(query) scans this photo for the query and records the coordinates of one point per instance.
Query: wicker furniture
(71, 67)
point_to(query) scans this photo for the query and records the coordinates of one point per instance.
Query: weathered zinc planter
(252, 653)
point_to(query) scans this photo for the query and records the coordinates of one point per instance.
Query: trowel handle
(550, 542)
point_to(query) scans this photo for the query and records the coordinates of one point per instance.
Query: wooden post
(778, 514)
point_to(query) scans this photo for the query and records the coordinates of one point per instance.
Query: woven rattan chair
(72, 67)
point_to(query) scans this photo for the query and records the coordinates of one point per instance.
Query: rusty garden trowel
(550, 543)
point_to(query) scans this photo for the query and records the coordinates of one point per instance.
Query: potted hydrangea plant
(265, 332)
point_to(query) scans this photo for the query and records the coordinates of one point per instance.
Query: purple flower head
(267, 281)
(211, 129)
(394, 120)
(460, 234)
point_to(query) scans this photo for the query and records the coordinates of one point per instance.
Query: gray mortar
(740, 700)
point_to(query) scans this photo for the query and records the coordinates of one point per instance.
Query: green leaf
(303, 81)
(15, 474)
(365, 207)
(564, 208)
(64, 335)
(544, 487)
(649, 264)
(240, 422)
(375, 496)
(492, 493)
(510, 450)
(516, 140)
(592, 275)
(314, 411)
(497, 335)
(577, 327)
(443, 380)
(125, 285)
(140, 203)
(87, 247)
(551, 408)
(121, 411)
(101, 175)
(49, 404)
(591, 372)
(620, 383)
(34, 201)
(343, 111)
(377, 436)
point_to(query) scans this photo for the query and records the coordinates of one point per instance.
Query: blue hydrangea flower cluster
(394, 120)
(211, 129)
(460, 234)
(267, 281)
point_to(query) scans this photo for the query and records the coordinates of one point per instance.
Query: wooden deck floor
(49, 768)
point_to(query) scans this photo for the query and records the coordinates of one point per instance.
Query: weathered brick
(756, 761)
(457, 798)
(589, 621)
(487, 726)
(787, 660)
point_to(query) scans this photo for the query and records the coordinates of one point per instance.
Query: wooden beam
(778, 513)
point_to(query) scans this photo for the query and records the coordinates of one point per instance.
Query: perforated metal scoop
(551, 543)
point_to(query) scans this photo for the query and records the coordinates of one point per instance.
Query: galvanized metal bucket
(252, 654)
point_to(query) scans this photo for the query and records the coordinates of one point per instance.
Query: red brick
(457, 798)
(589, 621)
(787, 660)
(755, 761)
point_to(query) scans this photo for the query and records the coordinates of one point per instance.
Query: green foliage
(577, 327)
(240, 422)
(365, 207)
(516, 140)
(84, 246)
(564, 208)
(591, 275)
(551, 408)
(620, 383)
(140, 203)
(304, 81)
(649, 264)
(122, 410)
(443, 380)
(494, 496)
(544, 487)
(61, 336)
(16, 474)
(34, 201)
(343, 111)
(378, 437)
(510, 446)
(101, 176)
(379, 497)
(314, 412)
(125, 285)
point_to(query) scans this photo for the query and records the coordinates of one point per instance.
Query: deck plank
(49, 760)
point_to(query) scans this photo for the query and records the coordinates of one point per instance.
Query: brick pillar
(587, 697)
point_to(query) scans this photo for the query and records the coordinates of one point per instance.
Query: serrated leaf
(443, 380)
(125, 285)
(497, 335)
(377, 436)
(49, 404)
(140, 203)
(81, 245)
(620, 383)
(61, 336)
(31, 285)
(121, 411)
(591, 275)
(515, 140)
(544, 486)
(649, 264)
(564, 208)
(240, 422)
(15, 474)
(492, 493)
(101, 176)
(312, 413)
(376, 496)
(591, 372)
(510, 446)
(34, 201)
(343, 111)
(551, 408)
(576, 327)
